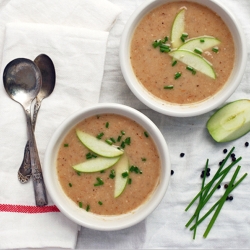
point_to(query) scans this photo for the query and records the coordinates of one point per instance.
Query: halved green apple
(178, 29)
(194, 60)
(122, 166)
(98, 146)
(202, 42)
(230, 122)
(95, 165)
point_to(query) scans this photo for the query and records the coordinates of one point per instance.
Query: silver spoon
(22, 81)
(47, 69)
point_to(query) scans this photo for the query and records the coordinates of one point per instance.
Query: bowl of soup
(107, 167)
(182, 58)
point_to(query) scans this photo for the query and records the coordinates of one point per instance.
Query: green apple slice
(97, 146)
(194, 60)
(230, 122)
(178, 29)
(202, 42)
(122, 166)
(95, 165)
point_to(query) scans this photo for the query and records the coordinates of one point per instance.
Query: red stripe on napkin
(27, 209)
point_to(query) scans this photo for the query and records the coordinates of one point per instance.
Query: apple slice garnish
(121, 175)
(178, 29)
(194, 60)
(95, 165)
(98, 146)
(202, 42)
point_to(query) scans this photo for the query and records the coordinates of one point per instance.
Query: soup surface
(140, 150)
(154, 69)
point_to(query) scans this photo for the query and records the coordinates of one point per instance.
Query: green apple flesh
(120, 182)
(207, 42)
(96, 164)
(194, 60)
(230, 122)
(178, 29)
(98, 146)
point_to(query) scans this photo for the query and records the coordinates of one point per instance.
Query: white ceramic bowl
(79, 215)
(192, 109)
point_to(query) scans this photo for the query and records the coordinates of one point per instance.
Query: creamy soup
(141, 151)
(154, 69)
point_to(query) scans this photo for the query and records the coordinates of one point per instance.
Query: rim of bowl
(87, 219)
(186, 110)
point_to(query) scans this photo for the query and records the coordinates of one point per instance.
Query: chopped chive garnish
(177, 75)
(184, 35)
(198, 51)
(99, 182)
(146, 134)
(174, 63)
(119, 138)
(125, 174)
(109, 141)
(107, 124)
(66, 145)
(127, 140)
(102, 171)
(70, 184)
(99, 136)
(122, 132)
(129, 181)
(112, 174)
(168, 87)
(135, 169)
(182, 39)
(88, 156)
(165, 48)
(78, 173)
(202, 40)
(156, 43)
(165, 39)
(215, 49)
(80, 204)
(112, 139)
(189, 68)
(143, 159)
(123, 144)
(87, 208)
(100, 203)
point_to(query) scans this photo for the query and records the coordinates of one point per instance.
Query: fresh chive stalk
(202, 186)
(217, 174)
(221, 203)
(216, 204)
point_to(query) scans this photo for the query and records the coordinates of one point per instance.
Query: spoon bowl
(22, 81)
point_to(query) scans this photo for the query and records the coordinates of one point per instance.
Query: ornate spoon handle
(24, 172)
(36, 170)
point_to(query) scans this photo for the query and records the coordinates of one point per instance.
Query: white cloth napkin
(73, 33)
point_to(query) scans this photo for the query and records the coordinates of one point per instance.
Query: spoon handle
(24, 171)
(36, 170)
